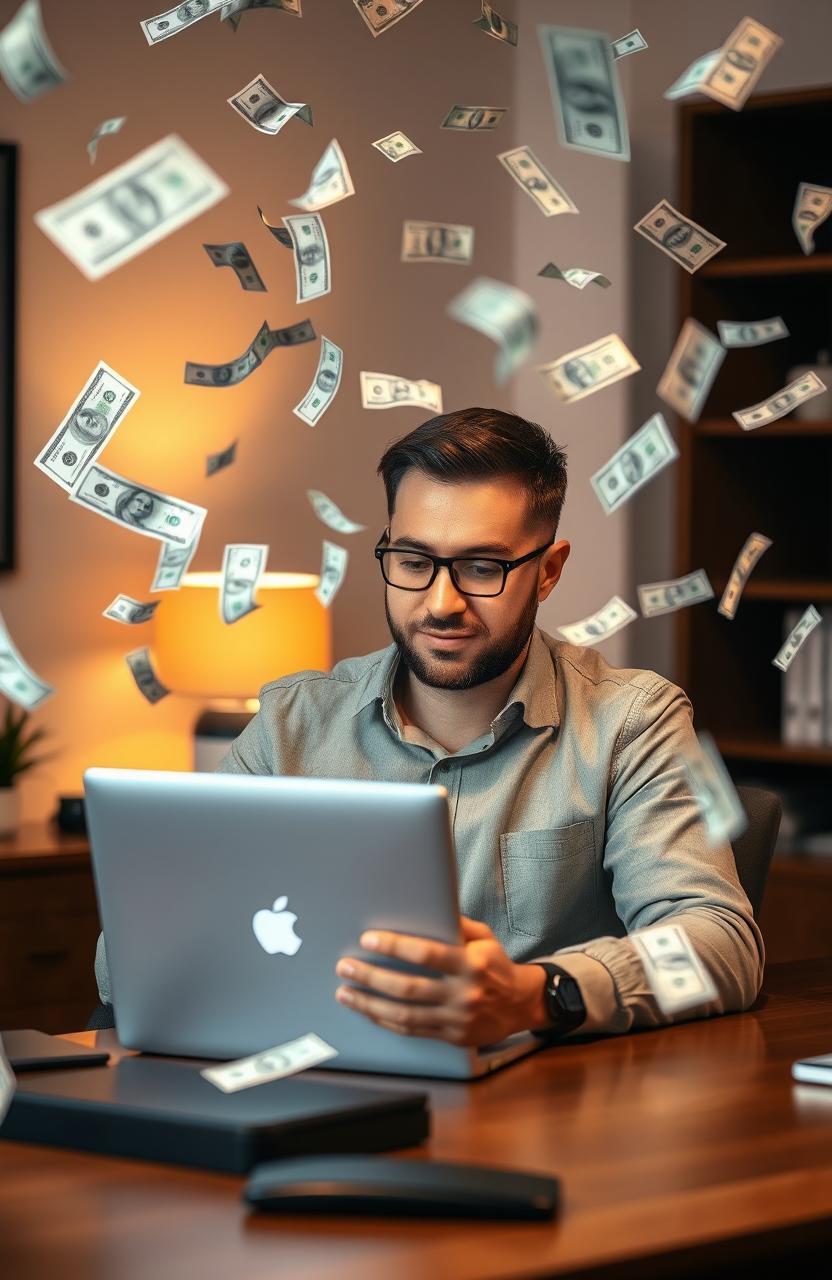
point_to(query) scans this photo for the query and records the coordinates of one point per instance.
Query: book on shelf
(806, 707)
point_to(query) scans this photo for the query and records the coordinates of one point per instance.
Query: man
(572, 819)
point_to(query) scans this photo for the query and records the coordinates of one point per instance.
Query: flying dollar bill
(806, 624)
(720, 808)
(95, 416)
(381, 17)
(147, 681)
(675, 975)
(242, 569)
(437, 242)
(280, 234)
(333, 569)
(262, 344)
(633, 42)
(18, 681)
(28, 63)
(588, 369)
(132, 207)
(694, 75)
(812, 206)
(311, 248)
(8, 1083)
(467, 119)
(103, 130)
(639, 459)
(505, 314)
(753, 547)
(501, 29)
(387, 391)
(176, 19)
(129, 611)
(730, 73)
(680, 238)
(781, 403)
(578, 277)
(615, 614)
(327, 381)
(137, 507)
(173, 564)
(219, 461)
(533, 178)
(326, 510)
(330, 181)
(751, 333)
(586, 95)
(233, 10)
(655, 598)
(396, 146)
(690, 372)
(237, 256)
(261, 106)
(271, 1064)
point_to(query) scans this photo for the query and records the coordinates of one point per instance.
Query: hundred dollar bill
(173, 564)
(643, 456)
(578, 277)
(536, 181)
(468, 118)
(729, 74)
(437, 242)
(147, 511)
(633, 42)
(387, 391)
(132, 207)
(680, 238)
(690, 372)
(396, 146)
(219, 461)
(333, 568)
(311, 247)
(237, 256)
(805, 626)
(129, 611)
(262, 344)
(751, 333)
(326, 510)
(674, 972)
(147, 681)
(233, 10)
(812, 206)
(655, 598)
(280, 234)
(719, 805)
(615, 614)
(242, 569)
(330, 180)
(502, 313)
(781, 403)
(28, 63)
(380, 17)
(91, 422)
(753, 547)
(176, 19)
(103, 130)
(586, 95)
(261, 106)
(18, 681)
(272, 1064)
(8, 1082)
(579, 373)
(327, 381)
(500, 28)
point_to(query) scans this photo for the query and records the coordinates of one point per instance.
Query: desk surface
(669, 1143)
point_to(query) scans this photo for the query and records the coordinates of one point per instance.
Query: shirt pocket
(549, 881)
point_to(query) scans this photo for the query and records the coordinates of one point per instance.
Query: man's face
(450, 519)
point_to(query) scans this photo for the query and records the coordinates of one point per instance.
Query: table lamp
(199, 655)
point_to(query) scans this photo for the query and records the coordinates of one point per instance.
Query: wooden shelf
(782, 427)
(808, 590)
(772, 749)
(786, 265)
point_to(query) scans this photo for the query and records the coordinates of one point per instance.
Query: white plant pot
(9, 810)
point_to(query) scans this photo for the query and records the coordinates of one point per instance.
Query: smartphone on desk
(813, 1070)
(37, 1051)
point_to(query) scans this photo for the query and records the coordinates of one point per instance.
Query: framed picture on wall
(8, 296)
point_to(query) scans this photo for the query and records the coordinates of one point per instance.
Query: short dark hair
(472, 443)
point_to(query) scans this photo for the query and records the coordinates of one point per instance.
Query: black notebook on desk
(155, 1109)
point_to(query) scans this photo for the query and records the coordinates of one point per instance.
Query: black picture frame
(8, 332)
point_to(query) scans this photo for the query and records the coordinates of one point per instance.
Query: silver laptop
(227, 900)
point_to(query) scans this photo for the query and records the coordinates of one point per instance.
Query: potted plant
(16, 743)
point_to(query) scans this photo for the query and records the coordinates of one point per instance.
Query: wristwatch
(563, 1001)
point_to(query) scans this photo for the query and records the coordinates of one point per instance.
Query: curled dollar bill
(614, 615)
(103, 130)
(753, 547)
(233, 10)
(138, 507)
(588, 369)
(633, 42)
(536, 180)
(330, 180)
(327, 381)
(147, 681)
(28, 63)
(264, 109)
(578, 277)
(262, 344)
(237, 256)
(381, 17)
(129, 611)
(332, 515)
(271, 1064)
(437, 242)
(173, 564)
(655, 598)
(729, 74)
(781, 403)
(242, 569)
(639, 459)
(280, 234)
(751, 333)
(586, 95)
(18, 681)
(312, 271)
(812, 206)
(387, 391)
(91, 422)
(333, 569)
(396, 146)
(675, 974)
(219, 461)
(505, 314)
(680, 238)
(690, 372)
(469, 119)
(178, 18)
(806, 624)
(501, 29)
(720, 808)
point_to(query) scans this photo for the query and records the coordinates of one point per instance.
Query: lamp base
(214, 732)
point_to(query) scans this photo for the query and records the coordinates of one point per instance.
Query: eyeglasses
(411, 570)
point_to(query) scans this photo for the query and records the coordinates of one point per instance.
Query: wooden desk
(682, 1151)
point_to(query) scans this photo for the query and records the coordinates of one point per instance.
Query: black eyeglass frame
(448, 562)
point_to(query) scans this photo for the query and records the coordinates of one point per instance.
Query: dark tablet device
(36, 1051)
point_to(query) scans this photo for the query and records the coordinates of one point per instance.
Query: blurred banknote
(729, 74)
(579, 373)
(396, 146)
(380, 17)
(145, 510)
(132, 207)
(147, 682)
(173, 563)
(753, 547)
(719, 805)
(261, 106)
(8, 1082)
(578, 277)
(675, 974)
(500, 28)
(694, 75)
(327, 381)
(469, 118)
(262, 344)
(583, 79)
(311, 248)
(219, 461)
(437, 242)
(242, 569)
(131, 612)
(330, 181)
(812, 206)
(91, 422)
(536, 181)
(333, 568)
(27, 60)
(18, 681)
(233, 10)
(655, 598)
(280, 234)
(177, 19)
(640, 458)
(633, 42)
(680, 238)
(237, 256)
(502, 313)
(781, 403)
(615, 614)
(103, 130)
(690, 372)
(271, 1064)
(751, 333)
(805, 626)
(326, 510)
(387, 391)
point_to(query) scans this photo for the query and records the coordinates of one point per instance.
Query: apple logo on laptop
(274, 929)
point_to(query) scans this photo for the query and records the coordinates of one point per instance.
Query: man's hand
(481, 997)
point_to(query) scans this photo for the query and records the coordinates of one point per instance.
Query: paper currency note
(264, 109)
(7, 1082)
(132, 207)
(639, 459)
(28, 63)
(693, 76)
(326, 510)
(147, 681)
(578, 277)
(505, 314)
(219, 461)
(242, 568)
(18, 681)
(680, 238)
(311, 248)
(536, 181)
(500, 28)
(788, 650)
(615, 614)
(437, 242)
(675, 974)
(387, 391)
(237, 256)
(751, 333)
(327, 381)
(262, 344)
(467, 119)
(655, 598)
(330, 181)
(633, 42)
(719, 805)
(734, 72)
(753, 547)
(137, 507)
(129, 611)
(812, 206)
(233, 10)
(333, 568)
(396, 146)
(586, 95)
(579, 373)
(103, 130)
(690, 372)
(381, 17)
(173, 564)
(272, 1064)
(177, 19)
(280, 234)
(96, 414)
(781, 403)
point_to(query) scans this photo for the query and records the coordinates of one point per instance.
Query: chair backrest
(754, 848)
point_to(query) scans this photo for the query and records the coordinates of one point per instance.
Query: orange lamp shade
(197, 653)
